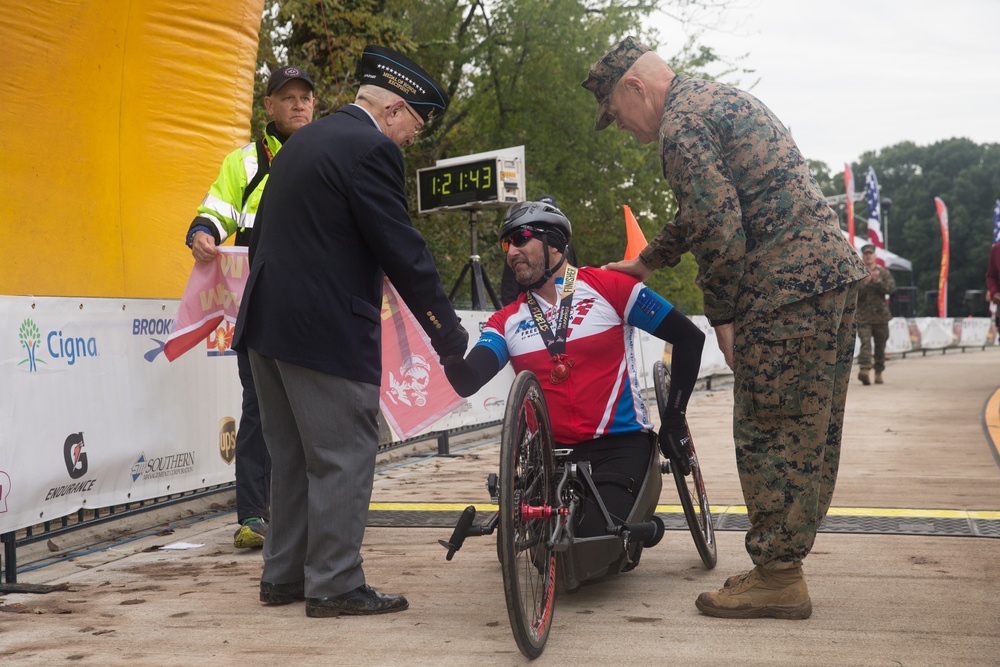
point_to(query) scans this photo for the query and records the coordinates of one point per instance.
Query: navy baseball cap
(283, 75)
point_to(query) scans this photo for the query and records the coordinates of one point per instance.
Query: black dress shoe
(362, 601)
(282, 593)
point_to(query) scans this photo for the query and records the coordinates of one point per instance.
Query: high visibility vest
(231, 203)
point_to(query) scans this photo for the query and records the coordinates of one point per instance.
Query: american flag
(996, 222)
(874, 209)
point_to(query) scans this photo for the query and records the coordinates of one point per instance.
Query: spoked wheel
(691, 487)
(527, 515)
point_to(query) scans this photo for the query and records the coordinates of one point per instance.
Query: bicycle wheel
(527, 495)
(691, 487)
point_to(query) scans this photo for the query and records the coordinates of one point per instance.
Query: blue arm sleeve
(648, 311)
(496, 343)
(485, 360)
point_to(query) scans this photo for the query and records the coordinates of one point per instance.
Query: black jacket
(332, 218)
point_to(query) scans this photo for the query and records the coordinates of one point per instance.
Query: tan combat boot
(878, 377)
(759, 593)
(863, 376)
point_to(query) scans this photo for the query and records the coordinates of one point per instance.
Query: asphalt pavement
(905, 572)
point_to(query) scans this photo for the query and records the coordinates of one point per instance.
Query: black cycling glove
(675, 441)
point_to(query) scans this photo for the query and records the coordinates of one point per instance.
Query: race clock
(485, 182)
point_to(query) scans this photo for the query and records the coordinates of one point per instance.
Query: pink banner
(213, 294)
(415, 392)
(942, 212)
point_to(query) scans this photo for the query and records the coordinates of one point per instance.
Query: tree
(513, 69)
(963, 174)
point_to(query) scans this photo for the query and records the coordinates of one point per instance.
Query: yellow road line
(716, 509)
(991, 417)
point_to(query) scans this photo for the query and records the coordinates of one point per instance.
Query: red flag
(213, 294)
(636, 239)
(415, 392)
(942, 212)
(849, 187)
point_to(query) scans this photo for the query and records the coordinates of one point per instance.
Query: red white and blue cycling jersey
(601, 394)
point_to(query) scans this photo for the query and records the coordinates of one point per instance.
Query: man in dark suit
(333, 220)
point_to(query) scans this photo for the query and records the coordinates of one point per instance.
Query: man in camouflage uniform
(780, 288)
(873, 315)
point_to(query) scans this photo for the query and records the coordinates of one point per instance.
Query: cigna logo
(31, 340)
(58, 346)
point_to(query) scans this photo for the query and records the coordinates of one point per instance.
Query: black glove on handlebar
(675, 441)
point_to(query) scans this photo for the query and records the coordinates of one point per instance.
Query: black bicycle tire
(527, 468)
(699, 520)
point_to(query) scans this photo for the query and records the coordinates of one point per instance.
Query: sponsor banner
(973, 331)
(91, 413)
(899, 336)
(936, 333)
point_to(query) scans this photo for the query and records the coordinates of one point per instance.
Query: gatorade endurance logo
(75, 459)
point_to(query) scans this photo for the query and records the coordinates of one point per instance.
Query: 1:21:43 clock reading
(475, 178)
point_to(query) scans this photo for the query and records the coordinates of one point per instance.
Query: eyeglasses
(518, 238)
(420, 123)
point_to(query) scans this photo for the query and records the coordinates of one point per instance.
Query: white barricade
(936, 333)
(93, 415)
(899, 336)
(973, 331)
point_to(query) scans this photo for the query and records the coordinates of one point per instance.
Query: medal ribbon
(555, 342)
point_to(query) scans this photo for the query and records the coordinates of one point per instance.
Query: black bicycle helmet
(540, 216)
(544, 218)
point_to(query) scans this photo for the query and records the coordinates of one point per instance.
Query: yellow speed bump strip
(716, 510)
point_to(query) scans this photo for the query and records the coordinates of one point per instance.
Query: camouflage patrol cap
(607, 71)
(868, 247)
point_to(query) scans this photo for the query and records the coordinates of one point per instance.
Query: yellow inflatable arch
(116, 115)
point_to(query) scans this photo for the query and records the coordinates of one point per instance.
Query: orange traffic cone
(636, 239)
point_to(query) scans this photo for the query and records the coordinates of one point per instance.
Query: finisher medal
(560, 372)
(555, 342)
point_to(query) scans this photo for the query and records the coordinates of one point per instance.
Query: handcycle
(541, 495)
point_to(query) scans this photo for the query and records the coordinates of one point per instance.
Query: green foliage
(966, 176)
(513, 69)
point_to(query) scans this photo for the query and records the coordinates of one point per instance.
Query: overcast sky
(850, 76)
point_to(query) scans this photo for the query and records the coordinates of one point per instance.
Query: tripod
(478, 276)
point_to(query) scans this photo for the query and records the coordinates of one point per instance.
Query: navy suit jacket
(333, 217)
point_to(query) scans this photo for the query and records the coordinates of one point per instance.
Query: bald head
(630, 83)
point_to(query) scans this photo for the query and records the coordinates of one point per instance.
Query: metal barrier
(85, 518)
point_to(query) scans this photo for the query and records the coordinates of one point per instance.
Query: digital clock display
(458, 185)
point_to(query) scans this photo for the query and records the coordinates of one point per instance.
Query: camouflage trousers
(791, 376)
(879, 333)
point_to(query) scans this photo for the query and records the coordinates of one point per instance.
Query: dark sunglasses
(518, 238)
